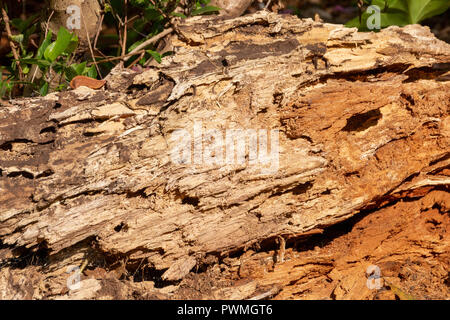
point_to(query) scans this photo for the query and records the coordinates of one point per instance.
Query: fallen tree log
(258, 131)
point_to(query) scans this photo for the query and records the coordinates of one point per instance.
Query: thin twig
(137, 60)
(124, 40)
(90, 46)
(99, 29)
(148, 42)
(117, 26)
(134, 18)
(48, 23)
(119, 57)
(11, 42)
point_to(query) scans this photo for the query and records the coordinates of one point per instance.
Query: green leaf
(73, 44)
(5, 88)
(402, 12)
(22, 25)
(44, 89)
(58, 67)
(44, 45)
(393, 19)
(139, 3)
(178, 14)
(91, 72)
(107, 8)
(48, 51)
(61, 87)
(79, 68)
(167, 53)
(43, 64)
(423, 9)
(28, 55)
(28, 32)
(70, 73)
(206, 9)
(386, 19)
(18, 23)
(401, 5)
(55, 49)
(354, 23)
(379, 3)
(155, 55)
(134, 45)
(153, 15)
(75, 70)
(17, 38)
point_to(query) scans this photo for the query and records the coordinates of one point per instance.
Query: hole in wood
(363, 121)
(191, 200)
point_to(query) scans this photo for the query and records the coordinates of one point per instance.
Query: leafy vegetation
(400, 12)
(53, 64)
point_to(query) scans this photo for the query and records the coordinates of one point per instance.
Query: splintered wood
(357, 120)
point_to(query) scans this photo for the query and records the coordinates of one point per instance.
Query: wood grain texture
(362, 119)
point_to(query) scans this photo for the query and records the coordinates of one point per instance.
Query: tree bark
(90, 175)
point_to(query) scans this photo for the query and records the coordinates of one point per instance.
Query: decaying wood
(362, 119)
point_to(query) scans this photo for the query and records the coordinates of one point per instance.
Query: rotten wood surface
(362, 120)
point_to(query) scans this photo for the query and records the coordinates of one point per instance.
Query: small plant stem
(137, 60)
(119, 57)
(99, 29)
(11, 42)
(90, 46)
(125, 26)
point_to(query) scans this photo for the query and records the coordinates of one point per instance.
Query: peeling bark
(363, 122)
